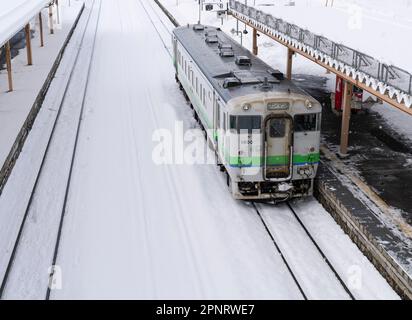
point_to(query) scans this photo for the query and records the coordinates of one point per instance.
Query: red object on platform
(357, 96)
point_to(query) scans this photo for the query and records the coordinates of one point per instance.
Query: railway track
(73, 78)
(290, 267)
(297, 221)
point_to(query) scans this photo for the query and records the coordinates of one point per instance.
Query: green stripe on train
(274, 160)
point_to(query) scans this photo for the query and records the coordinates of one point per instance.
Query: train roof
(202, 43)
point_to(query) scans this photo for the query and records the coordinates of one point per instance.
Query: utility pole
(200, 6)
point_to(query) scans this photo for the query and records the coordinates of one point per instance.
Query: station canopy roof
(14, 15)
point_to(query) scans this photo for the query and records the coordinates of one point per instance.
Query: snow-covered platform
(369, 192)
(19, 108)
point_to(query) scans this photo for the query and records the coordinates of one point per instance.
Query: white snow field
(134, 229)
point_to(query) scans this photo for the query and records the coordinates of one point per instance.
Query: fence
(335, 53)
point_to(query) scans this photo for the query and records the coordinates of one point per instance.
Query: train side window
(204, 96)
(224, 121)
(218, 115)
(305, 122)
(277, 128)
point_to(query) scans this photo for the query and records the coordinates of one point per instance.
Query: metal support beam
(41, 30)
(254, 46)
(289, 64)
(28, 45)
(8, 62)
(51, 19)
(344, 134)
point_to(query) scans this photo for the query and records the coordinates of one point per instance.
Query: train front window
(277, 127)
(305, 122)
(249, 123)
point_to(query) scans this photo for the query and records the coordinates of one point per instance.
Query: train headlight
(308, 104)
(246, 107)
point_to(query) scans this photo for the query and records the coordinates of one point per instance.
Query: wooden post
(289, 64)
(41, 30)
(8, 62)
(347, 101)
(28, 45)
(58, 12)
(255, 47)
(51, 19)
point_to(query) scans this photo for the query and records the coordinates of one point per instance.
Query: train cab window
(305, 122)
(249, 123)
(232, 123)
(277, 128)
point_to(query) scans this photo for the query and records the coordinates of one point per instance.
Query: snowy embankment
(15, 14)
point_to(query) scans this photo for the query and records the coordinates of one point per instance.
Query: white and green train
(264, 130)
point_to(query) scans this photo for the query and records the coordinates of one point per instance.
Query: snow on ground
(17, 191)
(137, 230)
(358, 273)
(134, 229)
(47, 202)
(28, 80)
(355, 270)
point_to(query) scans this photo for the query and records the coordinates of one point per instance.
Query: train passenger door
(216, 121)
(278, 148)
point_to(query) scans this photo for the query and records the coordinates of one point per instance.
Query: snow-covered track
(320, 251)
(301, 254)
(280, 251)
(159, 33)
(79, 74)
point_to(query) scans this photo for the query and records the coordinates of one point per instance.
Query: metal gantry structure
(386, 82)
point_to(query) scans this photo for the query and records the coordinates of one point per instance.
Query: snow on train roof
(14, 14)
(217, 68)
